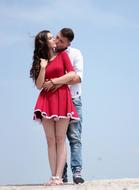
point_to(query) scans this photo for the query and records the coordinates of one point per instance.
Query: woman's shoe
(58, 180)
(51, 181)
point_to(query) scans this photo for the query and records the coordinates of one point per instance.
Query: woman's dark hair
(41, 50)
(67, 33)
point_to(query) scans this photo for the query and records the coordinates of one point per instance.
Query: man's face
(61, 42)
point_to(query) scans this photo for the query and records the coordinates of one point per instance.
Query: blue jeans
(74, 137)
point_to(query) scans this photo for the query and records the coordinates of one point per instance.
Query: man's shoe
(77, 178)
(64, 175)
(65, 179)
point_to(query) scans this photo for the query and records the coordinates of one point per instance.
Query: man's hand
(55, 87)
(48, 85)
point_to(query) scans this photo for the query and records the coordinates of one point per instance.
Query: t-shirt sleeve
(78, 63)
(67, 63)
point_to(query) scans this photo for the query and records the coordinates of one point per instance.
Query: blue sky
(106, 32)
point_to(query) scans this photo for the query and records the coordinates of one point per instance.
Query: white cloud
(81, 13)
(135, 151)
(58, 11)
(55, 11)
(10, 39)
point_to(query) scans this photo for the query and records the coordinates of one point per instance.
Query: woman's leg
(61, 129)
(49, 129)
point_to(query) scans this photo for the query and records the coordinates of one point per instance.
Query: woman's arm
(41, 77)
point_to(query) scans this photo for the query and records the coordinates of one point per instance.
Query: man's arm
(58, 82)
(78, 67)
(75, 80)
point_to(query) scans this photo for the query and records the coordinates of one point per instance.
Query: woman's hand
(43, 63)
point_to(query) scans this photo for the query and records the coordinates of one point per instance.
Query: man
(63, 40)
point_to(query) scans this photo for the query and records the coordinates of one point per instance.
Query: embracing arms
(57, 81)
(77, 60)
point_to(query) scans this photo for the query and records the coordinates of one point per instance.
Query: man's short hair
(67, 33)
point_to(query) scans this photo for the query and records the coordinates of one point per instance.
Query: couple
(57, 71)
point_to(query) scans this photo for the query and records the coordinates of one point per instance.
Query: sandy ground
(116, 184)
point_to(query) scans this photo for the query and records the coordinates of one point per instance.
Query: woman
(53, 108)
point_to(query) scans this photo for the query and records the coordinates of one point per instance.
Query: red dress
(56, 104)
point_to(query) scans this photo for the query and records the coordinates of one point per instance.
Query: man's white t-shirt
(77, 62)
